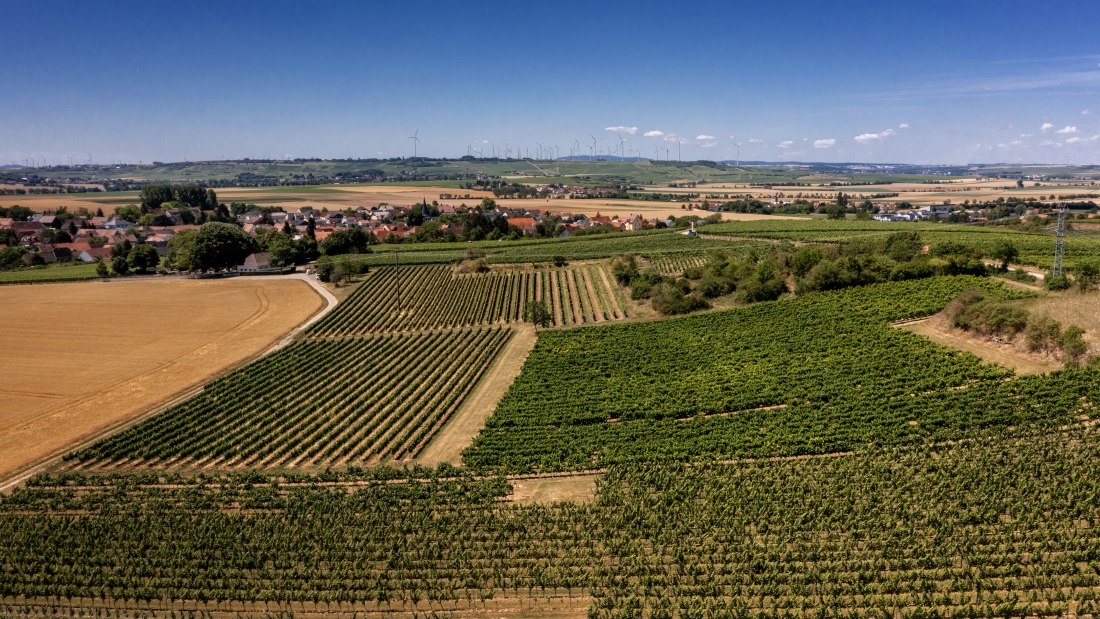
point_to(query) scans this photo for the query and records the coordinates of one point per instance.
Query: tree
(346, 241)
(1074, 345)
(120, 266)
(152, 196)
(129, 212)
(282, 249)
(311, 228)
(1087, 274)
(835, 211)
(536, 313)
(101, 268)
(143, 258)
(1005, 252)
(214, 246)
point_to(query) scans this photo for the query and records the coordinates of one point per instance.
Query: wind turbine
(621, 143)
(416, 140)
(593, 145)
(738, 145)
(577, 144)
(539, 144)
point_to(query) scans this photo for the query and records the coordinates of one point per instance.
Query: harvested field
(81, 358)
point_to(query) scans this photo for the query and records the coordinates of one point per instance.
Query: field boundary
(466, 423)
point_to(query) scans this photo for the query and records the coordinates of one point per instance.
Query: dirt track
(448, 444)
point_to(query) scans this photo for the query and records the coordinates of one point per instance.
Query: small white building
(259, 262)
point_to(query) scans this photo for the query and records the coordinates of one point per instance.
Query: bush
(1074, 345)
(1058, 282)
(338, 269)
(670, 298)
(472, 266)
(625, 269)
(642, 284)
(1042, 333)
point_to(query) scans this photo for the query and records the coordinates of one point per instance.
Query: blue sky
(927, 82)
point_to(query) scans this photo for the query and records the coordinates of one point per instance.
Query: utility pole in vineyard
(1060, 241)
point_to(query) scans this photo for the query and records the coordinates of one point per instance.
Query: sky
(928, 83)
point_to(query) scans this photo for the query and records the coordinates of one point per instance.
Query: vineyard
(1035, 248)
(315, 404)
(817, 374)
(436, 297)
(783, 459)
(1004, 526)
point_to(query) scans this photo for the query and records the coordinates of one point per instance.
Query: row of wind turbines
(553, 151)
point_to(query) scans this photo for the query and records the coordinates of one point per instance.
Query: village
(47, 238)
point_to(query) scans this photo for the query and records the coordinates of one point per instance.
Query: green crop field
(56, 273)
(1001, 526)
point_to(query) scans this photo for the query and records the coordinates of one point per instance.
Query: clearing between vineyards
(1068, 308)
(938, 329)
(139, 343)
(470, 418)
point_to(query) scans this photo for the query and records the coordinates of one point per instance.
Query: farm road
(467, 422)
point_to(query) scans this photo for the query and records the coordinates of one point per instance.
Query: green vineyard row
(315, 404)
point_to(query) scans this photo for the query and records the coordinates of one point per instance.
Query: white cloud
(867, 138)
(702, 137)
(825, 143)
(903, 126)
(1077, 139)
(1085, 112)
(755, 141)
(1026, 135)
(1046, 127)
(653, 134)
(1068, 129)
(621, 129)
(785, 144)
(708, 145)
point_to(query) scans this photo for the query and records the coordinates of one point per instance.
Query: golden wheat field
(81, 358)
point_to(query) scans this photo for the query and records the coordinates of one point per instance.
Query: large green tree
(212, 247)
(346, 241)
(143, 258)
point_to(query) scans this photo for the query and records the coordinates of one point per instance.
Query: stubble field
(81, 358)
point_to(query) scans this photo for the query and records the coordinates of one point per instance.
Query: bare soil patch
(576, 488)
(84, 357)
(1014, 356)
(460, 431)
